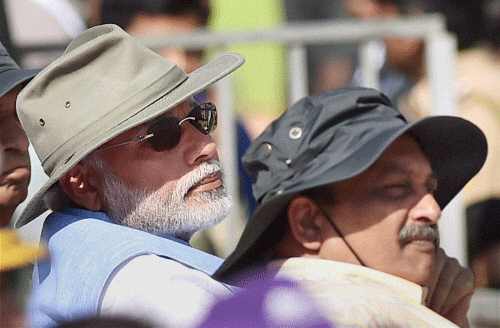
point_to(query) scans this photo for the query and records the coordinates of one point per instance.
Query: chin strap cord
(342, 236)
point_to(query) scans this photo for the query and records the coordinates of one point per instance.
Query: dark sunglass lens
(166, 134)
(205, 117)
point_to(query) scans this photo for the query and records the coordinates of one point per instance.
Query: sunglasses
(165, 134)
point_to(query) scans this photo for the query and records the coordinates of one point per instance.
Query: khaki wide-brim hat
(104, 84)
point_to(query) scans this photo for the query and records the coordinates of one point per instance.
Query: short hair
(121, 12)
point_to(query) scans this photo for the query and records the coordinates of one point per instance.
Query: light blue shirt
(85, 248)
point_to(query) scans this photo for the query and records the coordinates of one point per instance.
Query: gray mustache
(411, 232)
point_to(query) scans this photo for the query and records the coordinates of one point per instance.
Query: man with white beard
(133, 173)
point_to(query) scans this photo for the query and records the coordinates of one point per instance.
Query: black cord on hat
(342, 236)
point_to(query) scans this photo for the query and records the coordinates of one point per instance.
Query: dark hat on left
(11, 75)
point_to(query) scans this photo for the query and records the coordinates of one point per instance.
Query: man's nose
(199, 147)
(427, 210)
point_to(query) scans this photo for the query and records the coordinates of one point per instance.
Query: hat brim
(195, 82)
(456, 149)
(14, 77)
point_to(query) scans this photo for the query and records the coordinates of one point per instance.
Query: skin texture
(371, 210)
(15, 169)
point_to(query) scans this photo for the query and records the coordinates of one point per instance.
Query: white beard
(166, 210)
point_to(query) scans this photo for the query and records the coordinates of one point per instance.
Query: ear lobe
(302, 219)
(80, 184)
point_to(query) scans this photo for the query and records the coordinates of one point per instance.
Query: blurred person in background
(16, 259)
(143, 18)
(400, 59)
(350, 196)
(259, 87)
(329, 66)
(483, 241)
(151, 18)
(16, 168)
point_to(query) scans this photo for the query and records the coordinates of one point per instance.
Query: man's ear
(306, 223)
(81, 185)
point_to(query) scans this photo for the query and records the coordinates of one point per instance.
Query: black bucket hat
(337, 135)
(11, 75)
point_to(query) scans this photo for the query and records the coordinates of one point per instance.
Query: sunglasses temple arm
(186, 119)
(138, 139)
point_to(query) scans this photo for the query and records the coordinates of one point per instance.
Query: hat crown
(317, 132)
(69, 103)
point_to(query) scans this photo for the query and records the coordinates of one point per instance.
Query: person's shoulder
(149, 264)
(152, 286)
(160, 273)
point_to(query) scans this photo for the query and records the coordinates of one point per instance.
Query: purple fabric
(267, 303)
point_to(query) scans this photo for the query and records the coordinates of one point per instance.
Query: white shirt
(355, 296)
(161, 291)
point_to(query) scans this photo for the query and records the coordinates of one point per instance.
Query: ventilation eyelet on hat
(266, 149)
(295, 133)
